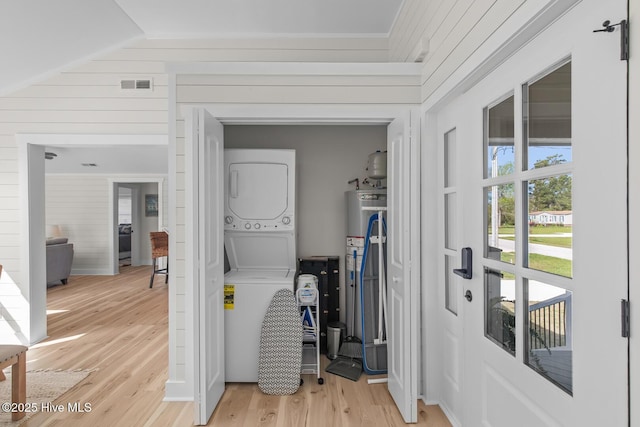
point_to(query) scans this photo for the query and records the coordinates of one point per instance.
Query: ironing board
(280, 358)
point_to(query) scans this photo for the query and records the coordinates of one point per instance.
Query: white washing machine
(253, 291)
(260, 245)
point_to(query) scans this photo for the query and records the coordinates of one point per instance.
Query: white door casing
(210, 292)
(499, 388)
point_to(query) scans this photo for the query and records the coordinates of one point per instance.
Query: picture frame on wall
(150, 205)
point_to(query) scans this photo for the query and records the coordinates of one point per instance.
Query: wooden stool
(159, 249)
(16, 357)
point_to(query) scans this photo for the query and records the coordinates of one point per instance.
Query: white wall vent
(136, 84)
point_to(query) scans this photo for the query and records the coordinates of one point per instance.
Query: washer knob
(256, 226)
(286, 220)
(247, 226)
(228, 219)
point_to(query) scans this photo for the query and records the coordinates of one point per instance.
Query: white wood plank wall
(87, 100)
(80, 205)
(454, 30)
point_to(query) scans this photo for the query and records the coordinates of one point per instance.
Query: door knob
(468, 295)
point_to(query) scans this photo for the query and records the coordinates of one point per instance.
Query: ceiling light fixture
(90, 165)
(50, 155)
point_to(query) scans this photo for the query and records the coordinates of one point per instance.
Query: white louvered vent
(136, 84)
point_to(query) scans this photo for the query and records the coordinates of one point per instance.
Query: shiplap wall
(80, 205)
(454, 30)
(87, 100)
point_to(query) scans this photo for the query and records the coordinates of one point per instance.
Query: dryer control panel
(283, 223)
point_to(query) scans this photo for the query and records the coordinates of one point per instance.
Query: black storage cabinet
(327, 270)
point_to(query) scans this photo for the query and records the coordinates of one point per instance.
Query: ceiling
(109, 160)
(197, 18)
(40, 38)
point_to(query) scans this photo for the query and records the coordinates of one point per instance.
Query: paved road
(536, 248)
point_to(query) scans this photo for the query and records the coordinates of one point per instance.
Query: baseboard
(177, 391)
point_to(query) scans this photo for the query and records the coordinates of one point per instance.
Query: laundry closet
(327, 158)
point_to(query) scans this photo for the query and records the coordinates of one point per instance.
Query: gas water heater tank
(377, 168)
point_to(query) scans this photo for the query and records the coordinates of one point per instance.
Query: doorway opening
(203, 207)
(82, 200)
(138, 210)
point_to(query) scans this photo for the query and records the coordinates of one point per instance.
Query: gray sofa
(59, 260)
(124, 235)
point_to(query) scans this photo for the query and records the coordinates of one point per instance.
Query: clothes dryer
(260, 190)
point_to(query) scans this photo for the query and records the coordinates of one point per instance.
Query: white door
(401, 302)
(541, 145)
(449, 305)
(210, 375)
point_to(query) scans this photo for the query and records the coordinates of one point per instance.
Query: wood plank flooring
(117, 327)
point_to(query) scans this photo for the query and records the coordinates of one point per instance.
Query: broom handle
(382, 294)
(354, 284)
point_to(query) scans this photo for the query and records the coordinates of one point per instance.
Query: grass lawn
(559, 266)
(550, 229)
(560, 241)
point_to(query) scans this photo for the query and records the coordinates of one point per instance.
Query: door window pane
(500, 308)
(500, 230)
(550, 236)
(450, 159)
(498, 135)
(450, 221)
(547, 119)
(548, 342)
(450, 285)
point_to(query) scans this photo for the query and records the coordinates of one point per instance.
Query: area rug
(42, 387)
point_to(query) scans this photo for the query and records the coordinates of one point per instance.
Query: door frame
(32, 171)
(304, 114)
(136, 214)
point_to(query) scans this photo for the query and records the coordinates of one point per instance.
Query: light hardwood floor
(117, 327)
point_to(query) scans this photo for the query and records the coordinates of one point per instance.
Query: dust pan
(351, 348)
(345, 367)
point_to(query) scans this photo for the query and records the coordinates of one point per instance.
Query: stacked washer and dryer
(260, 242)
